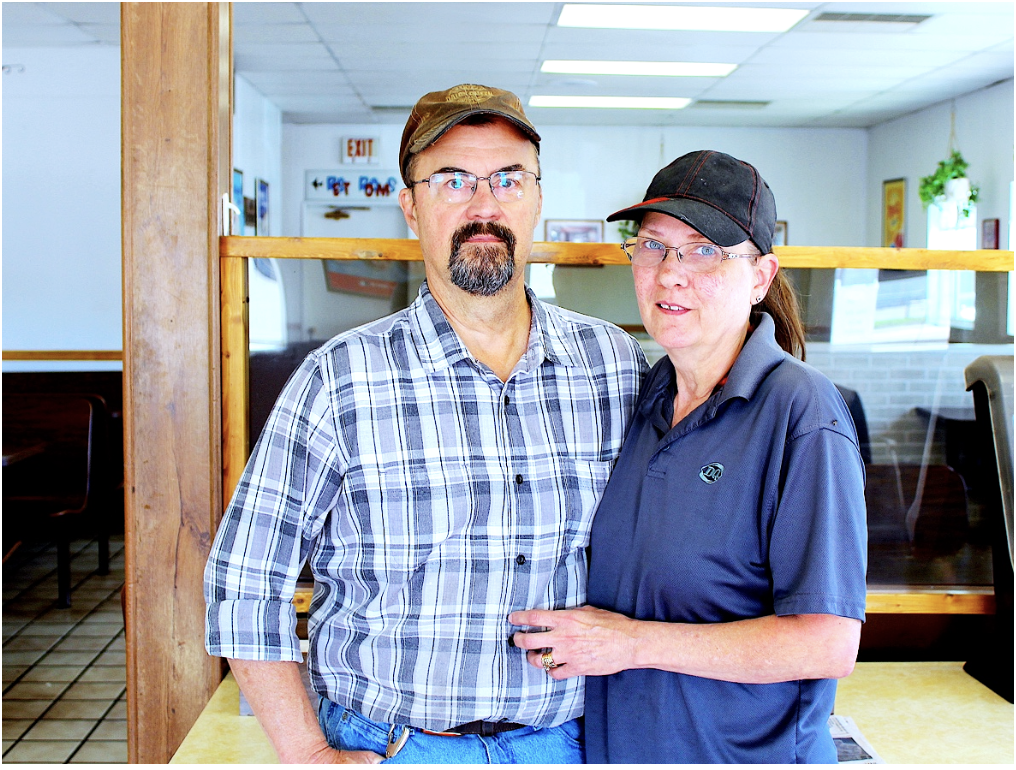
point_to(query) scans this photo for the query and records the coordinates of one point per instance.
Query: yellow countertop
(222, 737)
(930, 713)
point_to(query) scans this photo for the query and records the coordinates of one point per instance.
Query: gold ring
(548, 660)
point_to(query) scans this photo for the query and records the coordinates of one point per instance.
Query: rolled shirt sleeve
(262, 541)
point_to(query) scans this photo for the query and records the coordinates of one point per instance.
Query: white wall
(61, 215)
(910, 148)
(817, 176)
(589, 172)
(257, 147)
(61, 243)
(318, 147)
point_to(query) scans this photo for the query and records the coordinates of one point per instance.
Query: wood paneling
(172, 141)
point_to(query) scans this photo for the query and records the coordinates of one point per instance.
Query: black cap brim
(716, 226)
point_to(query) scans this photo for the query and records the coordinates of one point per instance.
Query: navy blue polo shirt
(752, 505)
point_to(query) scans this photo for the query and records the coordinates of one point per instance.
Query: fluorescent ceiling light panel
(687, 17)
(674, 69)
(612, 102)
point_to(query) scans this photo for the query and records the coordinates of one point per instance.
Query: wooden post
(175, 107)
(235, 372)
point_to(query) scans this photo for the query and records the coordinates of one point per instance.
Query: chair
(60, 489)
(883, 489)
(990, 379)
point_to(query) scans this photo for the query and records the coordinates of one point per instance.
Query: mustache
(472, 229)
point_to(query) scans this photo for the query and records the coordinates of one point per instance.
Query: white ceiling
(339, 62)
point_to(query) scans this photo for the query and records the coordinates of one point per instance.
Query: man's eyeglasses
(696, 257)
(460, 186)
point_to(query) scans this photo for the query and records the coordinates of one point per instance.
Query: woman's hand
(582, 642)
(588, 641)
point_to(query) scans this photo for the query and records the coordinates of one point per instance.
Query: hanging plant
(628, 229)
(933, 188)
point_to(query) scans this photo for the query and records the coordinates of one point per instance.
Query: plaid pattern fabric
(431, 499)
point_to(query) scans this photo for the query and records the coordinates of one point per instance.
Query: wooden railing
(234, 319)
(882, 600)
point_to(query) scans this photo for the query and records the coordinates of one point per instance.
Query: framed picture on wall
(371, 278)
(780, 233)
(238, 221)
(261, 205)
(894, 209)
(573, 231)
(250, 216)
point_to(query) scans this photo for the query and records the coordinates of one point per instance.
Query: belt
(478, 727)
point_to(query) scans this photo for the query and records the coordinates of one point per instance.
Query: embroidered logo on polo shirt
(711, 473)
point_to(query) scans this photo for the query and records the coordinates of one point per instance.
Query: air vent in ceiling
(873, 18)
(720, 104)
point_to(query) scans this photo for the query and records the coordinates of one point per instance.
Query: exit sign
(360, 149)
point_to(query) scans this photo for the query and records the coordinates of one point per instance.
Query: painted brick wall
(892, 383)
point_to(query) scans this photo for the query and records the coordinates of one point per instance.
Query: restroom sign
(373, 187)
(360, 149)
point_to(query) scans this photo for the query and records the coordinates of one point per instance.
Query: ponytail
(781, 303)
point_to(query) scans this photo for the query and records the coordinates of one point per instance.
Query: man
(439, 469)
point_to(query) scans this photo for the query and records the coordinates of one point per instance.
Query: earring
(758, 299)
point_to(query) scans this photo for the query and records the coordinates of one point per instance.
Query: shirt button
(520, 559)
(518, 478)
(507, 400)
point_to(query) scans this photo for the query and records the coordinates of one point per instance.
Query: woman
(727, 569)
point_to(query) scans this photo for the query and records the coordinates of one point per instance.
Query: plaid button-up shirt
(431, 499)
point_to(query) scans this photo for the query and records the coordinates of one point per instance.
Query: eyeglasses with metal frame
(696, 257)
(460, 186)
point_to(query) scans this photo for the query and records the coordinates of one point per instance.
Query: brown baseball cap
(438, 111)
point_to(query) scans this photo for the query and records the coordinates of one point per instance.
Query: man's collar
(440, 347)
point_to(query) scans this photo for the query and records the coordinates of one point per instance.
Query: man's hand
(330, 756)
(277, 696)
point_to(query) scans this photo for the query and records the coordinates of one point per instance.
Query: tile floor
(64, 681)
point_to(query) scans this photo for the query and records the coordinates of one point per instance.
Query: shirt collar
(440, 347)
(759, 356)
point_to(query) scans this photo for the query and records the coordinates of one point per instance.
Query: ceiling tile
(266, 13)
(819, 73)
(30, 14)
(273, 34)
(84, 13)
(382, 38)
(45, 35)
(423, 14)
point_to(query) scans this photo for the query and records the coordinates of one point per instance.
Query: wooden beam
(173, 104)
(235, 373)
(985, 260)
(931, 600)
(945, 600)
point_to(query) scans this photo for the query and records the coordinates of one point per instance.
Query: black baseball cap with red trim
(723, 198)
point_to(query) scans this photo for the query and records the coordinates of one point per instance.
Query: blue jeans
(351, 731)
